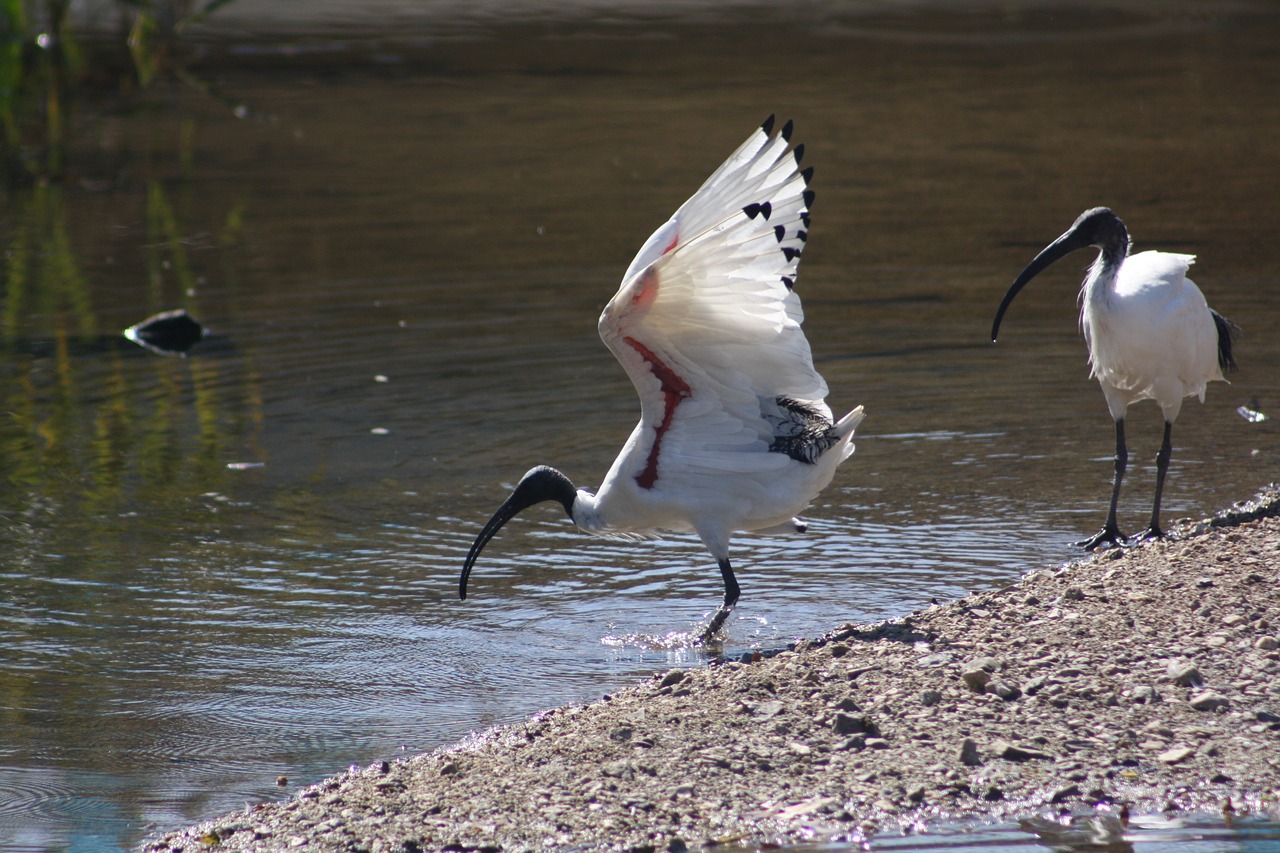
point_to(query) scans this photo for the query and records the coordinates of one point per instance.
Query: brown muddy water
(223, 569)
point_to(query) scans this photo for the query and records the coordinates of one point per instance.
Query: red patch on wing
(675, 241)
(674, 389)
(648, 290)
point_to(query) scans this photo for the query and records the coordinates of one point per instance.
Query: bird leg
(730, 596)
(1153, 530)
(1110, 531)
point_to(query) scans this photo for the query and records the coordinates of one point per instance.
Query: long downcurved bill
(1064, 245)
(510, 507)
(537, 485)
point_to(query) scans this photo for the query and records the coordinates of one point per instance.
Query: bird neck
(585, 512)
(1100, 283)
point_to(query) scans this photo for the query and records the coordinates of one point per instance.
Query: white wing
(707, 325)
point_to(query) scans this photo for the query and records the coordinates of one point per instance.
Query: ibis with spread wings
(735, 433)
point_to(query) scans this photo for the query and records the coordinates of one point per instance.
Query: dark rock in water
(167, 333)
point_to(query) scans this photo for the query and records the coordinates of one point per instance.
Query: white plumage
(1150, 335)
(734, 433)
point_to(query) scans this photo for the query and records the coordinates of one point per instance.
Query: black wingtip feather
(808, 198)
(786, 130)
(780, 232)
(789, 253)
(807, 174)
(789, 282)
(798, 152)
(767, 125)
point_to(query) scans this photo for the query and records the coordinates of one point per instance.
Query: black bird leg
(730, 596)
(1110, 531)
(1153, 530)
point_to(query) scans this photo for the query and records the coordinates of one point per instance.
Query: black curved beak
(1076, 238)
(539, 484)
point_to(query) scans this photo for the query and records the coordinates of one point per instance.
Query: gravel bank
(1149, 676)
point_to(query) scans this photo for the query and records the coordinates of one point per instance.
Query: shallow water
(242, 565)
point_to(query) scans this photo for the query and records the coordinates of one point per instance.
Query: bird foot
(717, 621)
(1151, 533)
(1109, 534)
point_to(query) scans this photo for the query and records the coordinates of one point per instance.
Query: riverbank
(1148, 677)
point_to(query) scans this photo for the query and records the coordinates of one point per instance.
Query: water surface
(242, 565)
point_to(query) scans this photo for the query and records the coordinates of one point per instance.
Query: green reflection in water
(89, 423)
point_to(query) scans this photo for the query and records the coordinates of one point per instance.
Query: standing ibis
(1150, 334)
(734, 431)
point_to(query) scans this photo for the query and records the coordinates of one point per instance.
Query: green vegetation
(44, 64)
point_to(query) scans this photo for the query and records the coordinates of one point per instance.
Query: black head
(1098, 227)
(539, 484)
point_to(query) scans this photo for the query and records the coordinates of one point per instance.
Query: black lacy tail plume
(1228, 332)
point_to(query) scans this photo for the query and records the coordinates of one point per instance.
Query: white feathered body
(735, 432)
(1149, 332)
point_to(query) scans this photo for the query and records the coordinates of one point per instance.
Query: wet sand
(1148, 677)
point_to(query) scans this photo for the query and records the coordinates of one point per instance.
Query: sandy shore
(1149, 677)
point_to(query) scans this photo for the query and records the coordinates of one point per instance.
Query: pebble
(1012, 752)
(968, 754)
(1208, 701)
(1176, 754)
(1185, 673)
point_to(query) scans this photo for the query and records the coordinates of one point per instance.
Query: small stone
(1176, 754)
(1144, 694)
(1006, 691)
(1184, 673)
(1033, 686)
(969, 755)
(976, 679)
(935, 659)
(930, 698)
(1074, 593)
(1266, 644)
(772, 708)
(620, 769)
(675, 676)
(1012, 752)
(1208, 701)
(1065, 793)
(848, 724)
